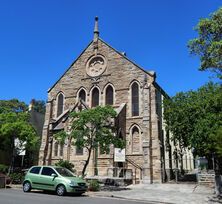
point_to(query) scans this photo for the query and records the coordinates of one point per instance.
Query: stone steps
(206, 179)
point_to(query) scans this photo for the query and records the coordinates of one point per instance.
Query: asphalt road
(16, 196)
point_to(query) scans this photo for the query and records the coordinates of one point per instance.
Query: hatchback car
(53, 178)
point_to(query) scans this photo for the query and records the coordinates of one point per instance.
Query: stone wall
(120, 73)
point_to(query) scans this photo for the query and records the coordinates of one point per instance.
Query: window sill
(135, 117)
(135, 154)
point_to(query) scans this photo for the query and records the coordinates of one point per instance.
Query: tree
(208, 44)
(195, 119)
(13, 105)
(14, 124)
(92, 128)
(218, 141)
(38, 105)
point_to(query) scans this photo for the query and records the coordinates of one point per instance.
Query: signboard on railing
(119, 155)
(20, 147)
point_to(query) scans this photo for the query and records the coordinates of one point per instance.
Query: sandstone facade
(99, 69)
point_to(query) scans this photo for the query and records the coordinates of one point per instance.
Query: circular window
(96, 65)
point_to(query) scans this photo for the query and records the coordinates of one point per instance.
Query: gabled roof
(58, 123)
(161, 90)
(119, 108)
(151, 73)
(70, 67)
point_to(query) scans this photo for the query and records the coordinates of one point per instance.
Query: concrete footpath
(164, 193)
(159, 193)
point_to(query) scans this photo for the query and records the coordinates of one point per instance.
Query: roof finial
(96, 30)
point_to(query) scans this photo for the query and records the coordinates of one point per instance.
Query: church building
(101, 76)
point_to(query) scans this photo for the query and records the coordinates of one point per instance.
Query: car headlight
(72, 183)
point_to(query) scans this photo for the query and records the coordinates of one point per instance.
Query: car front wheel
(60, 190)
(27, 186)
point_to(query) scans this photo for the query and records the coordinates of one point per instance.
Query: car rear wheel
(27, 186)
(60, 190)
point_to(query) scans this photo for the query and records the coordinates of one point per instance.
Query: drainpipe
(150, 138)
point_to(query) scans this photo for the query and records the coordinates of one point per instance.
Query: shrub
(3, 168)
(16, 178)
(94, 185)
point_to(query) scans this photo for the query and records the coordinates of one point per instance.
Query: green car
(53, 178)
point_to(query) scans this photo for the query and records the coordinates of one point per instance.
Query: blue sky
(39, 39)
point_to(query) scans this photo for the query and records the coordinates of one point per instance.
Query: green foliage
(14, 105)
(38, 105)
(92, 128)
(66, 164)
(208, 45)
(217, 140)
(61, 136)
(195, 117)
(16, 178)
(3, 168)
(14, 124)
(94, 185)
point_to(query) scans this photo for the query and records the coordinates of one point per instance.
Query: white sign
(119, 155)
(20, 147)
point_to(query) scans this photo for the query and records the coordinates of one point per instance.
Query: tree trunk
(68, 149)
(96, 161)
(11, 168)
(217, 184)
(87, 162)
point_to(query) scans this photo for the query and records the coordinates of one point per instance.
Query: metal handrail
(134, 164)
(136, 167)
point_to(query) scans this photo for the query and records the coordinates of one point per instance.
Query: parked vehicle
(53, 178)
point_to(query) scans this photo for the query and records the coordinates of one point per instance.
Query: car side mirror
(54, 175)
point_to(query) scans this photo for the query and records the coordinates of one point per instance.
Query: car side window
(47, 171)
(35, 170)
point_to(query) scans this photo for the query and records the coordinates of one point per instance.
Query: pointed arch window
(82, 95)
(95, 97)
(61, 149)
(79, 151)
(56, 146)
(135, 99)
(60, 104)
(109, 95)
(135, 140)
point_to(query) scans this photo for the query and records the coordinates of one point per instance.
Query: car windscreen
(64, 172)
